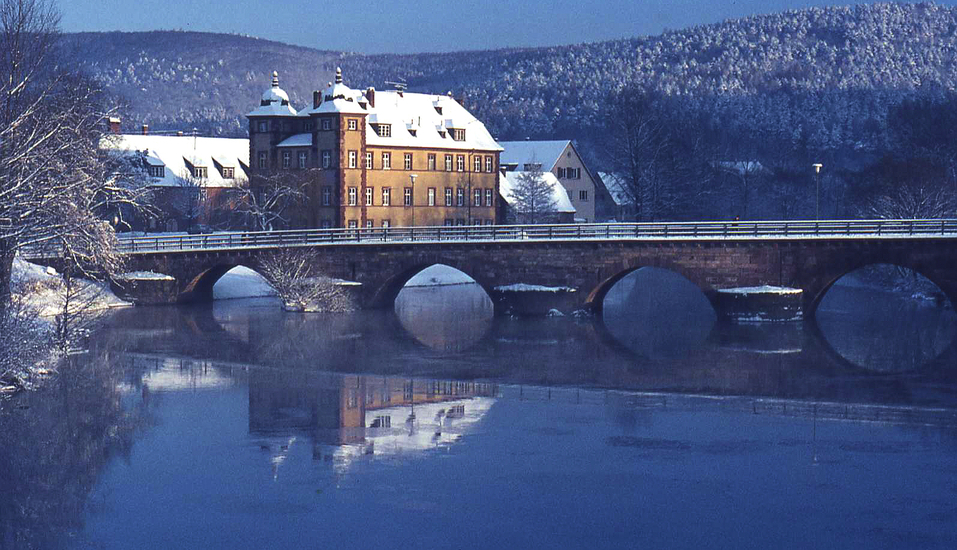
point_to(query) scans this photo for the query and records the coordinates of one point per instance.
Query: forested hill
(778, 72)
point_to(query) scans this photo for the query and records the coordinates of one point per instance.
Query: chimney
(146, 129)
(316, 98)
(114, 125)
(370, 95)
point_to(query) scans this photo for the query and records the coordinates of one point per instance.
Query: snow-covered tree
(532, 198)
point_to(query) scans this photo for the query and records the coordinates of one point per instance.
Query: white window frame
(353, 196)
(303, 156)
(353, 159)
(386, 196)
(386, 161)
(431, 196)
(370, 196)
(407, 161)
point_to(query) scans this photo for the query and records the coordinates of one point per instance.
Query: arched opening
(444, 309)
(228, 282)
(886, 318)
(656, 312)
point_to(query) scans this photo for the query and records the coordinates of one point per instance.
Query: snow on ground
(522, 287)
(439, 274)
(146, 276)
(40, 289)
(764, 289)
(241, 282)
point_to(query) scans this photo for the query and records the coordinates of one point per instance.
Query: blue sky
(418, 26)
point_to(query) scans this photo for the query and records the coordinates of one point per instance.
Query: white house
(561, 159)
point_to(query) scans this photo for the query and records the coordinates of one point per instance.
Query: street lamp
(817, 194)
(412, 198)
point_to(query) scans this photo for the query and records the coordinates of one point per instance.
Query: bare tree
(268, 202)
(532, 198)
(294, 275)
(54, 185)
(913, 202)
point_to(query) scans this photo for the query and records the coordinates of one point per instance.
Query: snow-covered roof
(417, 120)
(298, 140)
(616, 188)
(174, 152)
(521, 153)
(510, 180)
(275, 101)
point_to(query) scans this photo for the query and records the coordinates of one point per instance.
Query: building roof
(521, 153)
(510, 180)
(298, 140)
(415, 120)
(174, 152)
(275, 101)
(616, 188)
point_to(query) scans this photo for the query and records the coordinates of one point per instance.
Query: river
(236, 425)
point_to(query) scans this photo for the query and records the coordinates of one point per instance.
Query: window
(326, 124)
(369, 194)
(368, 161)
(386, 196)
(353, 159)
(326, 158)
(156, 171)
(488, 164)
(570, 173)
(353, 124)
(448, 196)
(460, 197)
(478, 164)
(229, 172)
(263, 127)
(302, 159)
(408, 161)
(449, 222)
(326, 195)
(386, 161)
(199, 172)
(407, 196)
(353, 224)
(386, 223)
(460, 163)
(353, 196)
(431, 161)
(583, 195)
(448, 163)
(477, 197)
(383, 130)
(286, 159)
(262, 160)
(476, 221)
(370, 223)
(561, 173)
(431, 196)
(458, 134)
(307, 126)
(488, 197)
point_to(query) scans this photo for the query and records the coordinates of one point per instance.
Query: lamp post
(817, 194)
(412, 198)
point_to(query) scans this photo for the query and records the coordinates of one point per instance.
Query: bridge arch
(199, 287)
(943, 276)
(385, 293)
(596, 297)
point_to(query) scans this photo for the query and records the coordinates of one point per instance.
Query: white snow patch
(40, 289)
(522, 287)
(764, 289)
(146, 276)
(439, 274)
(241, 282)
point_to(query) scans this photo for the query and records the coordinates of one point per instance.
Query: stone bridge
(712, 256)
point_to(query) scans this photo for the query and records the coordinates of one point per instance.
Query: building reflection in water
(347, 416)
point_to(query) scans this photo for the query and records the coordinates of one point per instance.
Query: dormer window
(199, 172)
(383, 130)
(442, 134)
(229, 172)
(458, 134)
(531, 167)
(438, 109)
(156, 171)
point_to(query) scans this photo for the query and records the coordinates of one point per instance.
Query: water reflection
(884, 331)
(448, 318)
(656, 312)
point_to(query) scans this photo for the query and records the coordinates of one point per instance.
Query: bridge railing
(494, 233)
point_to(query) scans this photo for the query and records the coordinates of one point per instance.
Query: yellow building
(378, 158)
